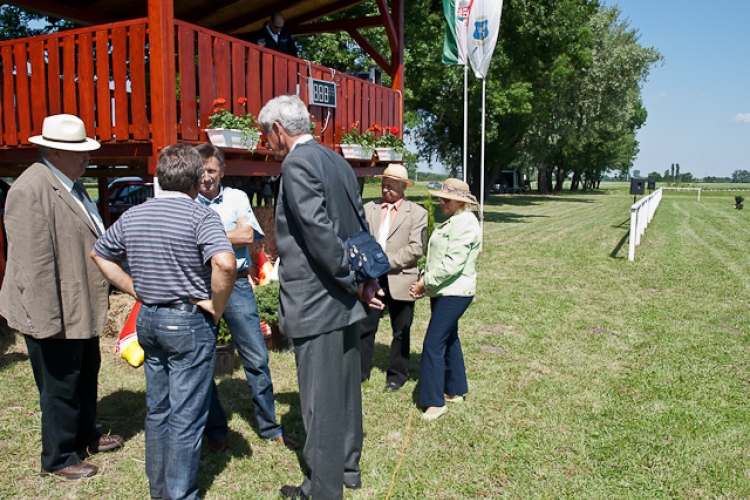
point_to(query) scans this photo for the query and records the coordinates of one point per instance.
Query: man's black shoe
(353, 486)
(392, 387)
(293, 492)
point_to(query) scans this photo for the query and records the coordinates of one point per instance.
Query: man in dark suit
(56, 296)
(320, 301)
(273, 35)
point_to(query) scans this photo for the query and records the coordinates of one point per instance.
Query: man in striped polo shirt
(182, 270)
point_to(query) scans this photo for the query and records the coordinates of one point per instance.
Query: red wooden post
(163, 83)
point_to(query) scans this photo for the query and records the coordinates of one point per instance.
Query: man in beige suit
(56, 296)
(399, 226)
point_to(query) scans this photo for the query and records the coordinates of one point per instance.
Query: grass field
(590, 376)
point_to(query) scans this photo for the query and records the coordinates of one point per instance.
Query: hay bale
(120, 305)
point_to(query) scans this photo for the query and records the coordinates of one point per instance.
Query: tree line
(563, 89)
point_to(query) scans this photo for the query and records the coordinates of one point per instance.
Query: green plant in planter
(267, 297)
(225, 336)
(739, 199)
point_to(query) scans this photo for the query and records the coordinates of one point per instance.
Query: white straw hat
(66, 132)
(397, 172)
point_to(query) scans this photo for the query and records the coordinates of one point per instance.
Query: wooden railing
(67, 73)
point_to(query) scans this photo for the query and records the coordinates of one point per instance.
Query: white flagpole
(466, 116)
(481, 175)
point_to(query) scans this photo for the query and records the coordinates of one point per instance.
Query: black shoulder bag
(366, 257)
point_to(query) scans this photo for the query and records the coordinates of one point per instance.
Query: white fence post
(641, 214)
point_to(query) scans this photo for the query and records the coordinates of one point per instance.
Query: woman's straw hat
(454, 189)
(66, 132)
(397, 172)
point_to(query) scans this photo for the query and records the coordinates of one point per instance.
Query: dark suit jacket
(51, 286)
(285, 44)
(313, 219)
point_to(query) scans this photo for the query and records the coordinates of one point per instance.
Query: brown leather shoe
(106, 442)
(288, 442)
(75, 471)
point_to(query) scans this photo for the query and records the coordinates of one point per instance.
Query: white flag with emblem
(484, 24)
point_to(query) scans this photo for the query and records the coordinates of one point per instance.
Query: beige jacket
(51, 287)
(404, 246)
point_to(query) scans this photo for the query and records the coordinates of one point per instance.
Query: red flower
(216, 110)
(242, 100)
(219, 102)
(376, 127)
(394, 131)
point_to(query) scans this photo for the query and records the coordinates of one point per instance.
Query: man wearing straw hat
(399, 225)
(56, 296)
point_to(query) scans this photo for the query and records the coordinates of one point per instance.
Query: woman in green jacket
(450, 280)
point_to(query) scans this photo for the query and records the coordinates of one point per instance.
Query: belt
(183, 306)
(243, 274)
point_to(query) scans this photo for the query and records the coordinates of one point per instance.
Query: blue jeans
(242, 318)
(442, 368)
(180, 351)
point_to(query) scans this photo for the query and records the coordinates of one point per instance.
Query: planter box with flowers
(357, 146)
(388, 145)
(227, 130)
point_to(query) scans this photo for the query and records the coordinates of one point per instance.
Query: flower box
(230, 138)
(389, 154)
(356, 152)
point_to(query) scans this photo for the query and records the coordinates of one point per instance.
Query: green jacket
(452, 255)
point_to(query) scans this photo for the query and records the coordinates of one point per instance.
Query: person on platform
(399, 225)
(273, 35)
(56, 297)
(450, 280)
(241, 313)
(183, 270)
(320, 302)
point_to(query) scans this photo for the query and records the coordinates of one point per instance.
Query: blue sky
(698, 102)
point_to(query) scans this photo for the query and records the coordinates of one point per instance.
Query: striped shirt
(168, 243)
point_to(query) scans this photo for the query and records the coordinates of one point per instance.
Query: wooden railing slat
(188, 108)
(38, 83)
(70, 97)
(205, 78)
(238, 77)
(9, 92)
(86, 91)
(53, 80)
(223, 73)
(253, 82)
(266, 71)
(119, 79)
(140, 128)
(103, 109)
(22, 91)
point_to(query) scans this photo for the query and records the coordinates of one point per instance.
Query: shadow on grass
(382, 354)
(213, 464)
(122, 412)
(621, 243)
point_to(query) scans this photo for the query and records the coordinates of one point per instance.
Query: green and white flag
(484, 25)
(457, 18)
